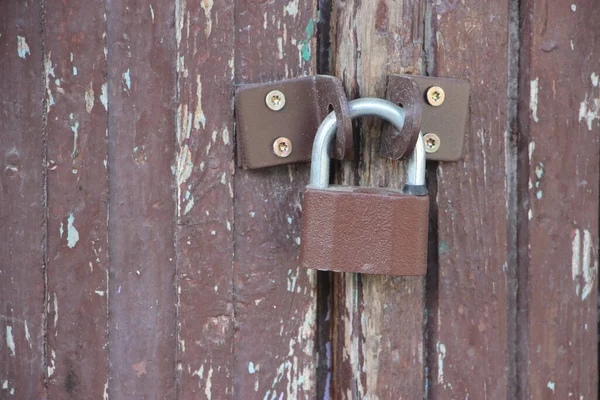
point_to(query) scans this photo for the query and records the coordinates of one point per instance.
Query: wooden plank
(560, 102)
(205, 170)
(378, 335)
(22, 216)
(75, 67)
(142, 297)
(274, 299)
(468, 320)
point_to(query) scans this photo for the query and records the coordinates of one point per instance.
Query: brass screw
(282, 147)
(435, 96)
(275, 100)
(432, 142)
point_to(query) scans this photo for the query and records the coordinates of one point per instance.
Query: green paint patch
(305, 49)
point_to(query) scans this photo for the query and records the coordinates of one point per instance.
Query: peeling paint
(441, 349)
(49, 71)
(552, 385)
(152, 13)
(207, 6)
(589, 111)
(291, 8)
(52, 366)
(22, 47)
(89, 99)
(127, 78)
(594, 78)
(251, 369)
(573, 7)
(199, 117)
(72, 233)
(533, 98)
(584, 268)
(27, 336)
(104, 96)
(10, 341)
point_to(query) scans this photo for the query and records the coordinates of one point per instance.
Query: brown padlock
(361, 229)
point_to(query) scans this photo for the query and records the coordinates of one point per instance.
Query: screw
(282, 147)
(275, 100)
(432, 142)
(435, 96)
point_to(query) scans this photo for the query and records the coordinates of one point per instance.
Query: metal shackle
(319, 169)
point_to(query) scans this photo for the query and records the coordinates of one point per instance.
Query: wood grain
(560, 101)
(469, 324)
(205, 170)
(274, 299)
(142, 297)
(378, 348)
(77, 200)
(22, 202)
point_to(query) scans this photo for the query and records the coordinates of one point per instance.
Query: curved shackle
(319, 169)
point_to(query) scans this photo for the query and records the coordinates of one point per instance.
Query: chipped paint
(207, 6)
(89, 98)
(61, 229)
(27, 336)
(55, 303)
(127, 78)
(199, 117)
(594, 78)
(52, 366)
(533, 98)
(225, 136)
(49, 71)
(441, 350)
(589, 265)
(22, 47)
(589, 111)
(291, 8)
(10, 341)
(152, 13)
(573, 7)
(584, 267)
(72, 233)
(75, 130)
(552, 385)
(531, 148)
(104, 96)
(251, 369)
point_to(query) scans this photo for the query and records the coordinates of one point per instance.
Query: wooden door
(138, 262)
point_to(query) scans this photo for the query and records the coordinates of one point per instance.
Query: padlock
(365, 229)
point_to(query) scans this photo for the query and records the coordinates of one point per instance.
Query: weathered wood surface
(558, 243)
(22, 202)
(468, 326)
(275, 300)
(77, 146)
(149, 266)
(141, 125)
(378, 319)
(205, 43)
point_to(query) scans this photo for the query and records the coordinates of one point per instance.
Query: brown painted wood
(468, 349)
(205, 170)
(378, 337)
(22, 202)
(274, 299)
(560, 101)
(77, 329)
(142, 296)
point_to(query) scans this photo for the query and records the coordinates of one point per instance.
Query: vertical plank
(75, 68)
(560, 102)
(469, 324)
(141, 94)
(274, 299)
(378, 351)
(22, 214)
(205, 167)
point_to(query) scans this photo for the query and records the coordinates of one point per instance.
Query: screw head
(282, 147)
(435, 96)
(275, 100)
(432, 142)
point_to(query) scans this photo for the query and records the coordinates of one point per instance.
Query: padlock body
(364, 230)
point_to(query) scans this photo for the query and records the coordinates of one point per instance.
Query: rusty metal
(447, 117)
(294, 109)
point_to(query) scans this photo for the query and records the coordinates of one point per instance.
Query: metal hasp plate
(444, 111)
(276, 122)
